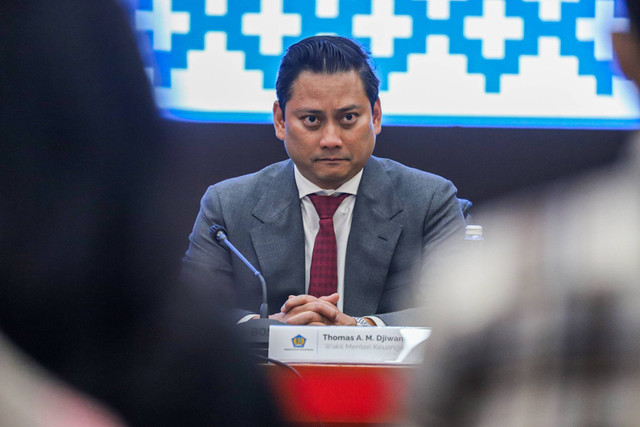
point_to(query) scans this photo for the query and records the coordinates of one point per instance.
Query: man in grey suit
(328, 114)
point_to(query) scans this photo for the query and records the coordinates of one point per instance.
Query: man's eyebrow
(316, 112)
(307, 111)
(349, 108)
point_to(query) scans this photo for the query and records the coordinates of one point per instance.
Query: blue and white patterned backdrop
(532, 63)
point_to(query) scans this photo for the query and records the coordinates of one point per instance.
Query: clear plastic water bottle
(473, 233)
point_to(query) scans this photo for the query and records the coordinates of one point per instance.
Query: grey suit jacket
(400, 216)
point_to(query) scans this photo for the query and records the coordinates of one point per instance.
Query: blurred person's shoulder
(555, 280)
(600, 205)
(581, 230)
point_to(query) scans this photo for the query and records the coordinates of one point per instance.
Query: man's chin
(331, 181)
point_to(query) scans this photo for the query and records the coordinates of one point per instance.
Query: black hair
(325, 54)
(633, 7)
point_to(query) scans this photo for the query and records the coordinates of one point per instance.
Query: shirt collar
(306, 187)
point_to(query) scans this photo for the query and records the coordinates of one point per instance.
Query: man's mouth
(331, 159)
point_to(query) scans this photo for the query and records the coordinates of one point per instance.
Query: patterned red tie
(324, 265)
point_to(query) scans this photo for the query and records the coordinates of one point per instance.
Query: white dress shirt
(341, 225)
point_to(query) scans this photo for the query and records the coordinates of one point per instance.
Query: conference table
(341, 395)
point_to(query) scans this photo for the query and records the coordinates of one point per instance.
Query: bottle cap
(473, 230)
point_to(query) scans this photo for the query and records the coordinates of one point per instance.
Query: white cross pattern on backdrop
(532, 63)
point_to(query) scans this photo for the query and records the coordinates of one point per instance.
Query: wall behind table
(483, 163)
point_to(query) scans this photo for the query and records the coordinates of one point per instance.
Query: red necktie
(324, 265)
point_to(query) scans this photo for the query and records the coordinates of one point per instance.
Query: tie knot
(326, 205)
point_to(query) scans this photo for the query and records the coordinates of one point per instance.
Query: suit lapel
(372, 240)
(279, 238)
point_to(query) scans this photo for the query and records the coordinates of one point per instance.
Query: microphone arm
(219, 233)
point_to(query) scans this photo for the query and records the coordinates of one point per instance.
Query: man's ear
(376, 116)
(627, 48)
(278, 120)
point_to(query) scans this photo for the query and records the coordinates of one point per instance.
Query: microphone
(254, 331)
(219, 233)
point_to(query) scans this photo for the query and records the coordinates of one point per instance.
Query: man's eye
(350, 117)
(310, 120)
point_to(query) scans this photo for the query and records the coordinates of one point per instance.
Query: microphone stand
(254, 331)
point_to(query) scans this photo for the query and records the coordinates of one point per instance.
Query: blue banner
(506, 63)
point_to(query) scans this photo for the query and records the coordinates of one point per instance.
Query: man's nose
(331, 137)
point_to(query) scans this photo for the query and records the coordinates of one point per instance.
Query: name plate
(347, 344)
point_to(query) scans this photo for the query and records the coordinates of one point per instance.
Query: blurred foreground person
(541, 326)
(31, 397)
(86, 286)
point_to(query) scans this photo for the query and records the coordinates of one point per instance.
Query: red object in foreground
(342, 394)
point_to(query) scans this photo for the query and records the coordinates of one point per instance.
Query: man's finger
(296, 300)
(307, 318)
(333, 298)
(325, 309)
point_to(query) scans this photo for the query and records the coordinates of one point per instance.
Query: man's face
(328, 128)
